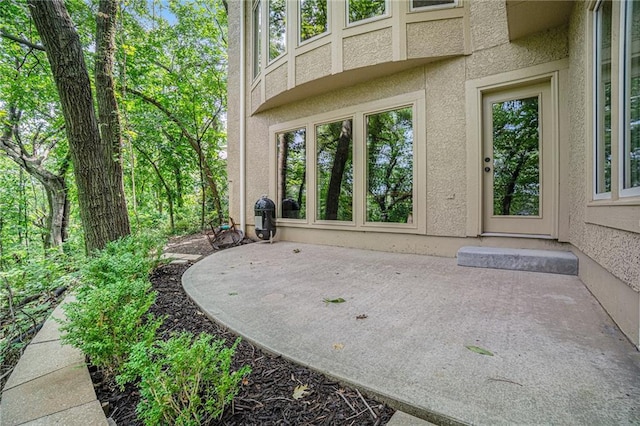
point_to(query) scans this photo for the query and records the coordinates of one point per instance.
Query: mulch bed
(266, 397)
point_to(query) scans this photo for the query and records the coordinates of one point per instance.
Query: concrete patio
(411, 327)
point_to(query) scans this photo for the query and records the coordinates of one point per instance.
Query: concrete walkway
(411, 328)
(50, 384)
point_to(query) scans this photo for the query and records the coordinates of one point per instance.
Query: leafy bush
(107, 320)
(183, 381)
(131, 257)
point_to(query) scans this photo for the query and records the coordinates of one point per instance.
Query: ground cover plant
(267, 396)
(30, 288)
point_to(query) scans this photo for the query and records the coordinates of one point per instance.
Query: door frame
(511, 224)
(549, 73)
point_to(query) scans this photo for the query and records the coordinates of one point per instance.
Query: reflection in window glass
(631, 161)
(359, 10)
(603, 99)
(277, 28)
(390, 166)
(416, 4)
(516, 157)
(335, 171)
(257, 37)
(292, 173)
(313, 18)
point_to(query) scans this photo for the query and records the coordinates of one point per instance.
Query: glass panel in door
(516, 157)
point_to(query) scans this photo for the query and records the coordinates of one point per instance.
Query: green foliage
(107, 320)
(365, 9)
(128, 258)
(26, 286)
(516, 156)
(390, 166)
(109, 316)
(335, 171)
(183, 381)
(313, 18)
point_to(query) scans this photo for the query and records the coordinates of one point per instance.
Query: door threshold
(531, 236)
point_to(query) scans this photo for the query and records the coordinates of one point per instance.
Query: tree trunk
(337, 171)
(96, 164)
(108, 114)
(54, 185)
(283, 152)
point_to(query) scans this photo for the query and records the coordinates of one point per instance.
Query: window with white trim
(257, 37)
(313, 19)
(616, 154)
(355, 167)
(419, 5)
(365, 10)
(277, 28)
(629, 157)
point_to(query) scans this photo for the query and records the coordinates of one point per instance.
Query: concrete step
(550, 261)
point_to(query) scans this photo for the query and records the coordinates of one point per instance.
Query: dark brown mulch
(266, 397)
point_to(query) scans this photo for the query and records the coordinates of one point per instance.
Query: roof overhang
(526, 17)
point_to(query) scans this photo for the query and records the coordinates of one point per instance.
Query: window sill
(621, 214)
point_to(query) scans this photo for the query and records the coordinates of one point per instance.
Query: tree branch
(27, 43)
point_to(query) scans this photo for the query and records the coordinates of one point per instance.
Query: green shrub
(131, 257)
(183, 381)
(107, 320)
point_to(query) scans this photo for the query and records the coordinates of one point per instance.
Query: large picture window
(390, 166)
(616, 154)
(313, 19)
(603, 98)
(353, 168)
(292, 173)
(334, 171)
(630, 152)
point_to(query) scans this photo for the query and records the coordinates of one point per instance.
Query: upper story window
(257, 37)
(617, 100)
(363, 10)
(277, 28)
(431, 4)
(313, 19)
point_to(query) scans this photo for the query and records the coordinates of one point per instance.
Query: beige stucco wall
(610, 257)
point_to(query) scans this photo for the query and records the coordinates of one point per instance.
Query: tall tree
(94, 145)
(32, 162)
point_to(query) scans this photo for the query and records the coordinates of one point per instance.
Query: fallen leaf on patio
(362, 316)
(338, 346)
(338, 300)
(233, 294)
(479, 350)
(296, 250)
(300, 391)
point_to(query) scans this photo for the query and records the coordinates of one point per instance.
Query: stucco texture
(435, 38)
(446, 149)
(276, 81)
(313, 64)
(616, 250)
(366, 49)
